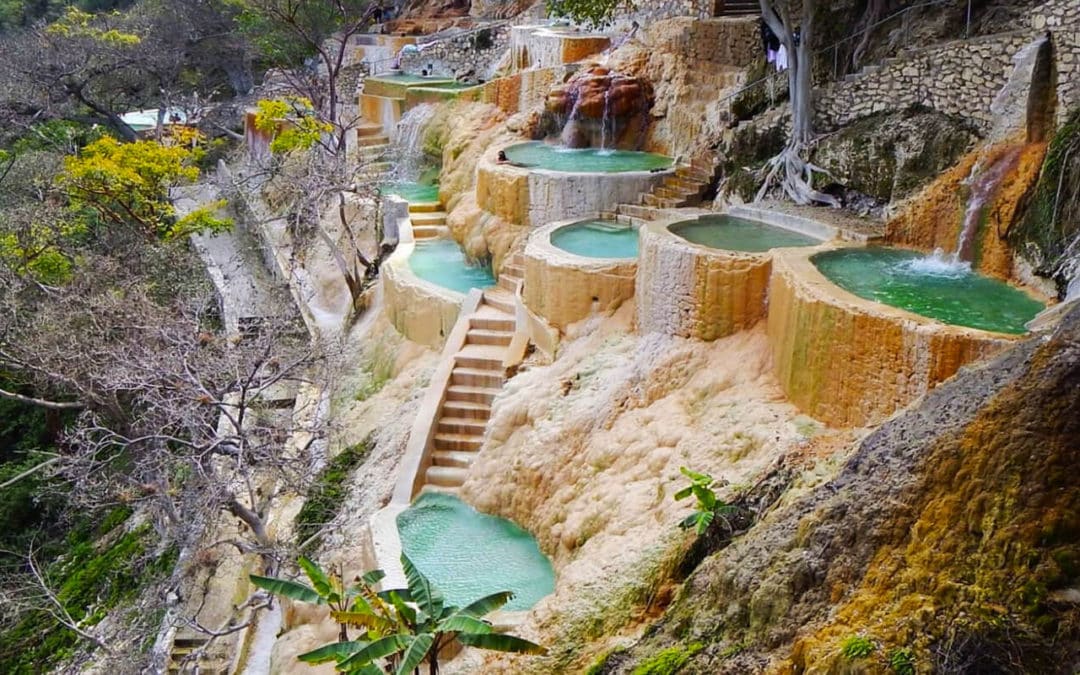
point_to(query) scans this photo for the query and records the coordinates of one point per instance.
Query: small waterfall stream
(984, 183)
(605, 119)
(410, 141)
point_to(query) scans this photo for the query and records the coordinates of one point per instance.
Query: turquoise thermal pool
(468, 554)
(738, 234)
(407, 78)
(932, 286)
(597, 239)
(414, 193)
(443, 263)
(541, 155)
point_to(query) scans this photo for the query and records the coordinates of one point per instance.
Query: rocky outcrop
(601, 107)
(949, 541)
(889, 156)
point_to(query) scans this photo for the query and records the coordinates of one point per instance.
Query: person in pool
(501, 158)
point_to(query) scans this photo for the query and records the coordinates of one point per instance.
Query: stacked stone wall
(460, 56)
(961, 77)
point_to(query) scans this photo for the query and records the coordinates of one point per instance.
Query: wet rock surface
(947, 533)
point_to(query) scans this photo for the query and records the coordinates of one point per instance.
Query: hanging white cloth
(781, 58)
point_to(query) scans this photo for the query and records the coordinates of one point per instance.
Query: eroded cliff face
(585, 454)
(953, 533)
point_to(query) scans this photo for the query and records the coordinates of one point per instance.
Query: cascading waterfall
(605, 119)
(983, 186)
(410, 140)
(569, 128)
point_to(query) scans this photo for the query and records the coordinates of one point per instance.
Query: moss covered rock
(889, 156)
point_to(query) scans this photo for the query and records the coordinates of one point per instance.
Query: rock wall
(961, 77)
(693, 291)
(950, 534)
(851, 362)
(474, 55)
(958, 78)
(692, 65)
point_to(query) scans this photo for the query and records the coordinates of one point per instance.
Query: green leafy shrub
(902, 661)
(668, 661)
(328, 493)
(857, 647)
(708, 506)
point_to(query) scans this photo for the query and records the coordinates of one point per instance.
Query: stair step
(458, 442)
(508, 283)
(440, 489)
(368, 141)
(369, 129)
(506, 325)
(430, 218)
(479, 336)
(476, 377)
(425, 207)
(461, 425)
(482, 362)
(500, 300)
(429, 231)
(453, 458)
(461, 392)
(446, 476)
(466, 410)
(367, 151)
(198, 641)
(515, 271)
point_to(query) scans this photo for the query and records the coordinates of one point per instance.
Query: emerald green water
(468, 554)
(414, 193)
(597, 239)
(583, 160)
(442, 262)
(931, 286)
(738, 234)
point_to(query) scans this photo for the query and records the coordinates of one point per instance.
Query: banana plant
(325, 589)
(402, 627)
(709, 506)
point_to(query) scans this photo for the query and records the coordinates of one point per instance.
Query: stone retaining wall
(693, 291)
(960, 77)
(851, 362)
(475, 55)
(563, 288)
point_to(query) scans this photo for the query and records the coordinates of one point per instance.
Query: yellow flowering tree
(127, 184)
(291, 123)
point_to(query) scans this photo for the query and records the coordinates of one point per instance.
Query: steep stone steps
(477, 377)
(183, 660)
(737, 8)
(372, 141)
(427, 217)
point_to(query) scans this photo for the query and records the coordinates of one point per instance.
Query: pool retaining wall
(847, 361)
(564, 288)
(694, 291)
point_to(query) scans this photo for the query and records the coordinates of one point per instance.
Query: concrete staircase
(428, 220)
(477, 377)
(736, 8)
(182, 660)
(372, 146)
(685, 188)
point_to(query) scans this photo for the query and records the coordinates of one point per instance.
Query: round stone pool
(738, 234)
(540, 155)
(468, 554)
(931, 286)
(597, 239)
(443, 263)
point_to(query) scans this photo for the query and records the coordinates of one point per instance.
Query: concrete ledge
(848, 361)
(563, 288)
